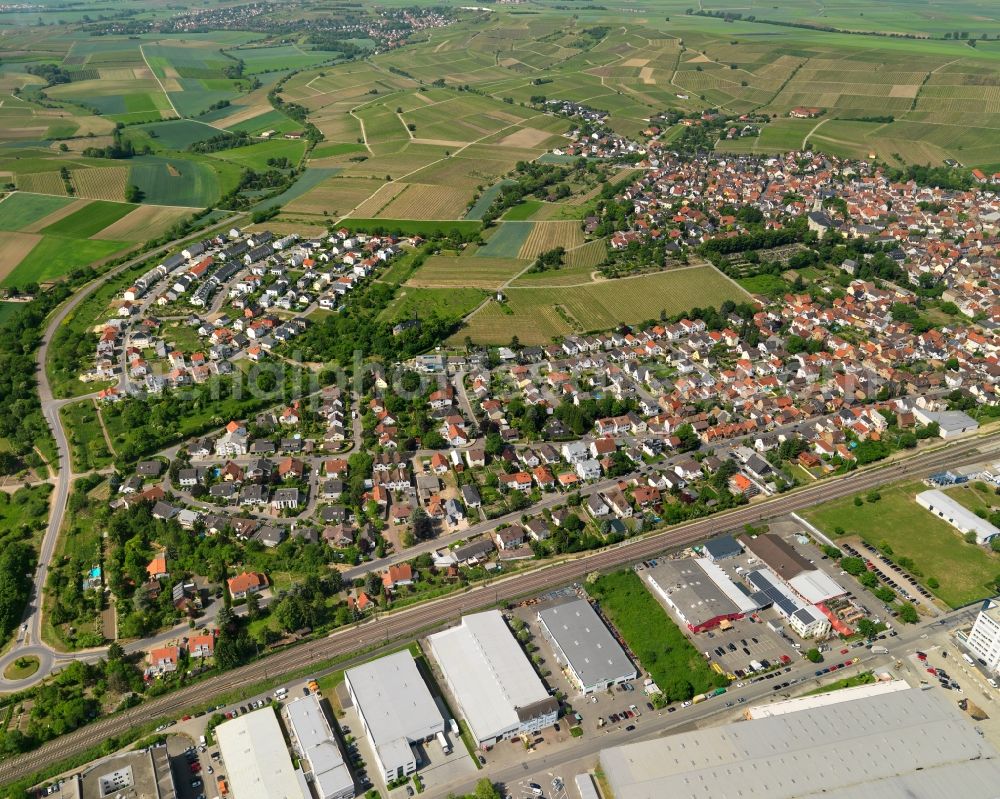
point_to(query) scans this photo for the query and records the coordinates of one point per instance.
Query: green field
(445, 271)
(281, 57)
(90, 220)
(55, 256)
(408, 227)
(523, 210)
(506, 241)
(89, 448)
(177, 134)
(20, 209)
(191, 183)
(454, 303)
(256, 156)
(966, 572)
(540, 312)
(663, 650)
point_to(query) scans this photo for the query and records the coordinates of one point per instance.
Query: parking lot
(747, 641)
(892, 575)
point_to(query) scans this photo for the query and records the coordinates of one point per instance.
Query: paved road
(31, 642)
(410, 622)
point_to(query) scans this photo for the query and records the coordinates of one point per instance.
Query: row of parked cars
(836, 667)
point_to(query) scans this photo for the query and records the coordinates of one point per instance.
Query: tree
(970, 537)
(908, 613)
(486, 790)
(423, 526)
(133, 194)
(867, 628)
(814, 655)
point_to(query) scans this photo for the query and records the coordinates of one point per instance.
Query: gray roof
(592, 651)
(725, 546)
(908, 744)
(318, 745)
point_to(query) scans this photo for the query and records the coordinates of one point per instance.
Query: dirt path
(816, 127)
(104, 429)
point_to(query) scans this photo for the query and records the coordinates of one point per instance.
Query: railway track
(409, 621)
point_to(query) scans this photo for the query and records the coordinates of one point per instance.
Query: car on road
(630, 728)
(686, 704)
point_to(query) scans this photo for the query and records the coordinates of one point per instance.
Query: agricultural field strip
(158, 81)
(403, 178)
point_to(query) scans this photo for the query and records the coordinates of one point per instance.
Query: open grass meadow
(661, 647)
(539, 312)
(55, 256)
(421, 302)
(964, 571)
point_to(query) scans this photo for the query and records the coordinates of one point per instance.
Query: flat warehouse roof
(696, 589)
(317, 744)
(907, 743)
(394, 698)
(585, 640)
(257, 761)
(488, 672)
(816, 586)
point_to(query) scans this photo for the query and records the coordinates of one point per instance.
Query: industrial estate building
(805, 619)
(497, 690)
(779, 555)
(135, 775)
(316, 746)
(905, 743)
(984, 638)
(396, 710)
(257, 760)
(721, 548)
(698, 592)
(957, 515)
(583, 644)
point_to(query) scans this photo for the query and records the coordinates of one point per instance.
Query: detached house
(245, 584)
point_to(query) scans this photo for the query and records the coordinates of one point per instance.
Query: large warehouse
(496, 687)
(396, 709)
(316, 745)
(257, 761)
(957, 515)
(906, 744)
(698, 592)
(585, 646)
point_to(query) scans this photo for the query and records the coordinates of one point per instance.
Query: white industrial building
(497, 690)
(957, 515)
(584, 645)
(257, 760)
(950, 423)
(395, 708)
(984, 638)
(315, 744)
(816, 586)
(810, 702)
(806, 620)
(905, 744)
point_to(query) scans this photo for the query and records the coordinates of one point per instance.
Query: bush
(814, 655)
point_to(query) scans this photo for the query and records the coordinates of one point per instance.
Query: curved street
(29, 640)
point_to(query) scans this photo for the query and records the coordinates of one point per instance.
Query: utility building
(585, 646)
(396, 710)
(497, 690)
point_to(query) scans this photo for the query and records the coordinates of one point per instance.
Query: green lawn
(864, 678)
(965, 571)
(20, 209)
(663, 650)
(89, 448)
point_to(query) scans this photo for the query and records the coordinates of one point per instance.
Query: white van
(968, 659)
